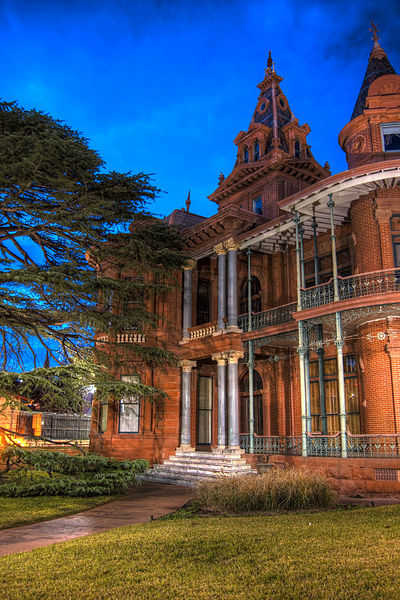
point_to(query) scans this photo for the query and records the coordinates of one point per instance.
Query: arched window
(258, 403)
(255, 296)
(297, 148)
(256, 150)
(245, 154)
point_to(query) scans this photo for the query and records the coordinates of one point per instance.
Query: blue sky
(164, 87)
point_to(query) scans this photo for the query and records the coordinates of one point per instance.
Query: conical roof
(378, 65)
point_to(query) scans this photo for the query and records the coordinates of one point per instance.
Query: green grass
(342, 555)
(21, 511)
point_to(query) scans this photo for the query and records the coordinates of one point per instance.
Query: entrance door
(204, 413)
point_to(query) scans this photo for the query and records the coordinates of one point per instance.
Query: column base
(218, 449)
(233, 450)
(233, 329)
(185, 448)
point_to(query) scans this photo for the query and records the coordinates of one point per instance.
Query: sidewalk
(138, 506)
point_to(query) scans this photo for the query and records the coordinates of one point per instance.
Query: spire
(188, 202)
(378, 65)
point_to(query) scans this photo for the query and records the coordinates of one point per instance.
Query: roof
(183, 219)
(378, 65)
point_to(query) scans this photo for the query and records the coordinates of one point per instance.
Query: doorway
(204, 413)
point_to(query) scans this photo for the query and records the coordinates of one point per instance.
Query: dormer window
(297, 148)
(245, 154)
(390, 137)
(256, 150)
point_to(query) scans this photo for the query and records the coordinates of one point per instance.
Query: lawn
(342, 554)
(20, 511)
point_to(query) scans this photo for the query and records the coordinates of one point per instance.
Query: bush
(47, 473)
(279, 489)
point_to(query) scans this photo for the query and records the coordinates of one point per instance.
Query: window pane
(330, 366)
(129, 416)
(103, 418)
(395, 223)
(351, 394)
(315, 401)
(353, 424)
(331, 396)
(350, 364)
(396, 252)
(332, 424)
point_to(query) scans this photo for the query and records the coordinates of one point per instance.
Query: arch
(256, 292)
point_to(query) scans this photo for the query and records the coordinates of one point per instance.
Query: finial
(375, 31)
(269, 61)
(327, 167)
(188, 202)
(221, 178)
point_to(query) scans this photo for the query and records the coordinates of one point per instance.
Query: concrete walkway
(138, 506)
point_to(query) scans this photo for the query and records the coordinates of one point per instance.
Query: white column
(221, 253)
(187, 298)
(232, 249)
(221, 414)
(233, 401)
(301, 347)
(187, 366)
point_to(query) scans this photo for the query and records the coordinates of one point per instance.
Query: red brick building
(314, 373)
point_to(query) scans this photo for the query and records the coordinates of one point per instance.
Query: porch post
(339, 342)
(250, 362)
(307, 380)
(301, 348)
(233, 401)
(187, 366)
(221, 413)
(221, 253)
(320, 336)
(187, 297)
(232, 249)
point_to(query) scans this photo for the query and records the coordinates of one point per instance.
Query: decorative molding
(187, 365)
(220, 248)
(190, 265)
(230, 244)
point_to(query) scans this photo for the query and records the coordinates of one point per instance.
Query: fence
(54, 426)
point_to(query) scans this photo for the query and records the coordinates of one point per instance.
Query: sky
(164, 87)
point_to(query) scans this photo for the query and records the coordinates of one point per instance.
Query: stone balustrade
(201, 331)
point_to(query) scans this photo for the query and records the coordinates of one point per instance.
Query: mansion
(286, 320)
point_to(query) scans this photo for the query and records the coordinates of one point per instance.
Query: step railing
(354, 286)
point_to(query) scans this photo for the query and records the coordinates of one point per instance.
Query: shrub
(278, 489)
(47, 473)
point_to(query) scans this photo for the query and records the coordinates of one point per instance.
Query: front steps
(188, 468)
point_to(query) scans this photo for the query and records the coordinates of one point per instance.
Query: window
(246, 154)
(129, 409)
(255, 296)
(297, 148)
(257, 205)
(390, 137)
(133, 302)
(395, 229)
(258, 404)
(203, 302)
(325, 267)
(256, 150)
(332, 395)
(103, 417)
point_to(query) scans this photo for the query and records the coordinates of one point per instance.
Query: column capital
(187, 365)
(230, 244)
(233, 356)
(220, 249)
(383, 215)
(220, 358)
(190, 265)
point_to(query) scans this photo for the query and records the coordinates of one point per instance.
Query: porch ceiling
(344, 187)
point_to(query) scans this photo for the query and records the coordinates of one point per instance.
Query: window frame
(256, 204)
(103, 411)
(395, 234)
(130, 401)
(387, 129)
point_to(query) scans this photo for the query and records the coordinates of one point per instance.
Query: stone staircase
(188, 468)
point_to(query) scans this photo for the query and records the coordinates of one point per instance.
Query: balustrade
(354, 286)
(123, 338)
(267, 318)
(201, 331)
(358, 446)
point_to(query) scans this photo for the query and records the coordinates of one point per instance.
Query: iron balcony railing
(267, 318)
(354, 286)
(358, 446)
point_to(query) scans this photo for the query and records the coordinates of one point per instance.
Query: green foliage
(278, 489)
(64, 245)
(47, 473)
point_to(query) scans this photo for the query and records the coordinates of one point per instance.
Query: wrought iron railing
(354, 286)
(358, 446)
(267, 318)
